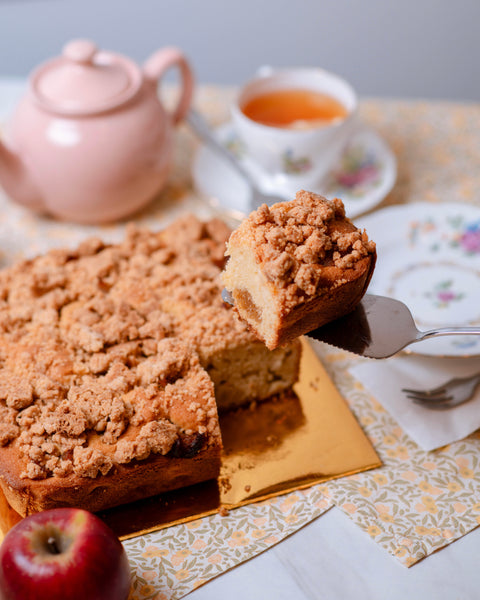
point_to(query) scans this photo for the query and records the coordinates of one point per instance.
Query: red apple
(63, 554)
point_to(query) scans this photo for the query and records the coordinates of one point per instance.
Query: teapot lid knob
(85, 80)
(80, 51)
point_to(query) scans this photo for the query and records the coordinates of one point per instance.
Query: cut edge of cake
(123, 339)
(295, 266)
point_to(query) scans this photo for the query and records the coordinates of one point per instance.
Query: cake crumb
(296, 265)
(293, 241)
(96, 368)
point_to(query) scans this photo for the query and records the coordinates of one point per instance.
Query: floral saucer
(429, 257)
(364, 175)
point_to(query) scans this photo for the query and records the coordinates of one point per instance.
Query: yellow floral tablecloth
(417, 501)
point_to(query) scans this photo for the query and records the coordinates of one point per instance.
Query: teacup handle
(159, 63)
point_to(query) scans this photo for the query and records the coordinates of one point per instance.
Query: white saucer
(363, 177)
(429, 257)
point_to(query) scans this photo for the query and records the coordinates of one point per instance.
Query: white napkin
(429, 428)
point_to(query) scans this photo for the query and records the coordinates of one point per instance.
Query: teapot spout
(16, 181)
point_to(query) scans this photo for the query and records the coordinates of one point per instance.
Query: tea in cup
(295, 123)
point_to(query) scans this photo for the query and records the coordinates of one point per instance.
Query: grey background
(388, 48)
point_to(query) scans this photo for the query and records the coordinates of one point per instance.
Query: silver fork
(452, 393)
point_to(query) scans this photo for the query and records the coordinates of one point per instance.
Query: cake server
(379, 327)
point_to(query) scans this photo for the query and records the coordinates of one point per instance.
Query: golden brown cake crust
(105, 395)
(313, 260)
(304, 245)
(97, 389)
(123, 484)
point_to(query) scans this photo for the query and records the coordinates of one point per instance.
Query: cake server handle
(378, 327)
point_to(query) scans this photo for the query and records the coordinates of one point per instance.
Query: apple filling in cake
(297, 265)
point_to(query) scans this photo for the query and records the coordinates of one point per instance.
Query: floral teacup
(314, 116)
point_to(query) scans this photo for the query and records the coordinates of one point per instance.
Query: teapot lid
(85, 80)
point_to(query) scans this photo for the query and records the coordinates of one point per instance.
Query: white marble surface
(332, 558)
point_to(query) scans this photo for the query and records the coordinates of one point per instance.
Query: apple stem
(52, 545)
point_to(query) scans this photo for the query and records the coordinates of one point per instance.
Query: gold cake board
(270, 448)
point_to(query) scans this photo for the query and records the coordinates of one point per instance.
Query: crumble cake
(111, 358)
(297, 265)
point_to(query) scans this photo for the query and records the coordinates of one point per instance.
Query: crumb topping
(100, 349)
(296, 242)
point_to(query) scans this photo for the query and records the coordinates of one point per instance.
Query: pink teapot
(91, 141)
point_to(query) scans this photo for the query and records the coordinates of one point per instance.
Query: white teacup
(303, 149)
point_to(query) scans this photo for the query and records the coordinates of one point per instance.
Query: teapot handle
(158, 64)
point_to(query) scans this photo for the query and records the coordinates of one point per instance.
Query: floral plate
(429, 257)
(364, 175)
